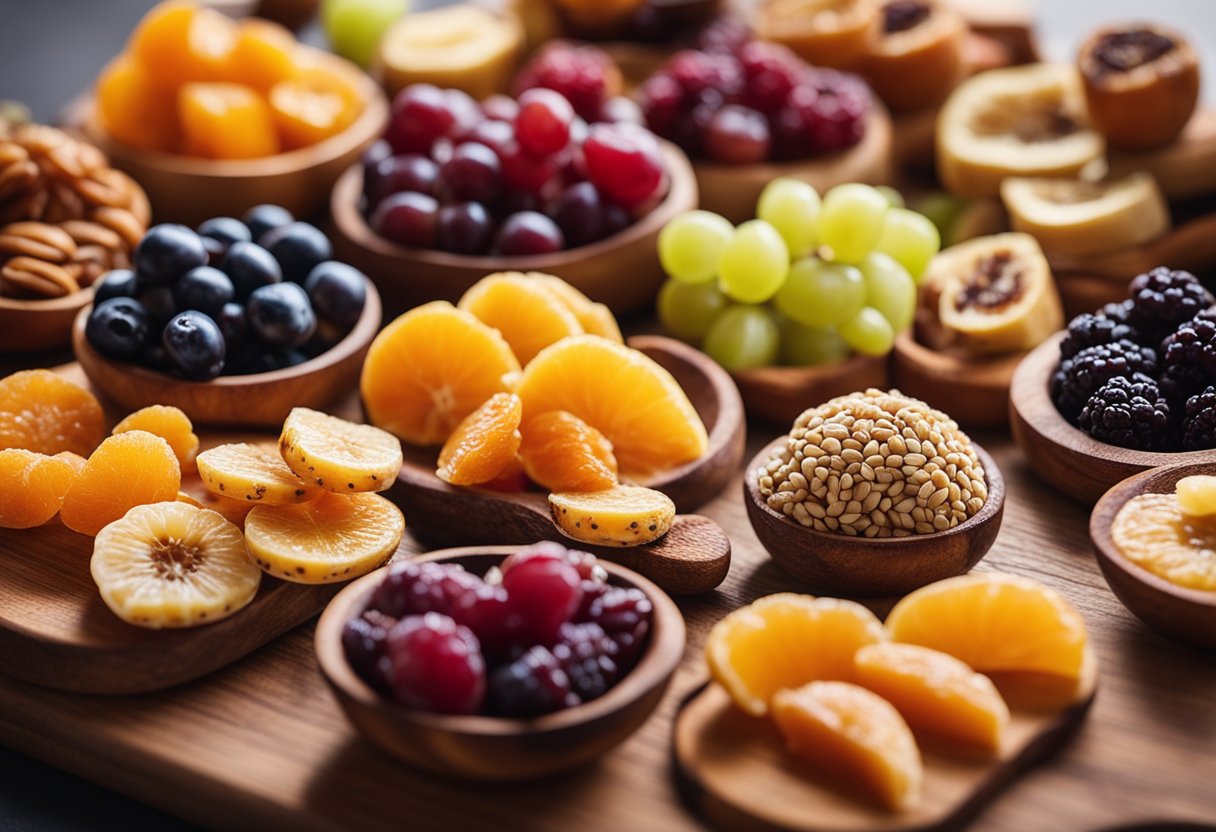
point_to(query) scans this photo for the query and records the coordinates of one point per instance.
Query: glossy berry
(232, 324)
(250, 267)
(580, 214)
(195, 346)
(495, 135)
(281, 315)
(473, 174)
(465, 228)
(299, 247)
(521, 171)
(500, 108)
(435, 664)
(543, 124)
(261, 218)
(584, 563)
(545, 593)
(338, 293)
(374, 153)
(584, 75)
(168, 251)
(118, 283)
(160, 303)
(532, 685)
(529, 232)
(363, 640)
(588, 656)
(624, 162)
(410, 172)
(620, 109)
(206, 289)
(407, 218)
(118, 327)
(223, 232)
(738, 135)
(412, 588)
(625, 614)
(421, 113)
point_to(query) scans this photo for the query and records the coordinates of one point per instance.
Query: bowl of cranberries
(499, 662)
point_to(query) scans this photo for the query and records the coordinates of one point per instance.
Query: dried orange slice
(32, 486)
(338, 455)
(484, 444)
(594, 318)
(528, 314)
(253, 474)
(561, 452)
(131, 469)
(45, 413)
(170, 424)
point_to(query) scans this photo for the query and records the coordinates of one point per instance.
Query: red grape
(579, 213)
(529, 232)
(435, 664)
(407, 218)
(421, 113)
(543, 124)
(473, 174)
(624, 162)
(737, 135)
(409, 172)
(465, 228)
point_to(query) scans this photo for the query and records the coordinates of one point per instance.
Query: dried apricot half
(252, 473)
(527, 313)
(45, 413)
(33, 486)
(483, 446)
(170, 424)
(127, 470)
(561, 452)
(338, 455)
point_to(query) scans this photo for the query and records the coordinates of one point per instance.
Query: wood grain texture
(778, 395)
(37, 325)
(974, 389)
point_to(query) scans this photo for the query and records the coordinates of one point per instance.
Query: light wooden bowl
(974, 390)
(621, 271)
(260, 400)
(40, 325)
(778, 395)
(732, 190)
(1067, 458)
(1188, 615)
(837, 564)
(498, 748)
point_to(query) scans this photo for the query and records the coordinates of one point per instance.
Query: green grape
(943, 210)
(354, 27)
(821, 294)
(889, 289)
(690, 246)
(806, 346)
(869, 332)
(894, 198)
(743, 337)
(754, 264)
(792, 207)
(850, 221)
(911, 239)
(686, 310)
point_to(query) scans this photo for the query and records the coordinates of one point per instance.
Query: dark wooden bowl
(778, 395)
(40, 325)
(1188, 615)
(837, 564)
(1065, 457)
(975, 390)
(621, 271)
(260, 400)
(497, 748)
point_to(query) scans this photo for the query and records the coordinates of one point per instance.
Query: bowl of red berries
(499, 662)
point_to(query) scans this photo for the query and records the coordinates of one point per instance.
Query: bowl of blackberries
(499, 662)
(562, 178)
(1129, 387)
(235, 322)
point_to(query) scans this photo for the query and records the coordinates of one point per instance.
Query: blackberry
(532, 685)
(1162, 299)
(588, 656)
(1188, 360)
(1121, 311)
(1079, 377)
(1199, 423)
(1129, 412)
(1088, 330)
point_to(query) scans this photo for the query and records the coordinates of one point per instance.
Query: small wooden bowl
(974, 390)
(260, 400)
(836, 564)
(1067, 458)
(1187, 615)
(39, 325)
(498, 748)
(1084, 293)
(621, 271)
(732, 190)
(778, 395)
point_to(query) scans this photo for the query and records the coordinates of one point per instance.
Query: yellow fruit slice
(196, 494)
(31, 487)
(854, 736)
(527, 313)
(254, 474)
(173, 565)
(485, 443)
(1197, 495)
(170, 424)
(594, 318)
(1154, 532)
(624, 515)
(336, 537)
(338, 455)
(127, 470)
(935, 693)
(785, 641)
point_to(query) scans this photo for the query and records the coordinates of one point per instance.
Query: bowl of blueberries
(236, 321)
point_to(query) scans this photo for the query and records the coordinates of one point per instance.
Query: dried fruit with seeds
(624, 515)
(45, 413)
(484, 445)
(338, 455)
(833, 33)
(254, 474)
(561, 452)
(33, 486)
(130, 469)
(171, 425)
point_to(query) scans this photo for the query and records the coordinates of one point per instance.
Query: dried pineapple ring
(252, 473)
(338, 455)
(626, 515)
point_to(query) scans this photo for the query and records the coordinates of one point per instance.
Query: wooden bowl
(621, 271)
(836, 564)
(778, 395)
(39, 325)
(1188, 615)
(1067, 458)
(1187, 246)
(1084, 293)
(732, 190)
(975, 390)
(260, 400)
(498, 748)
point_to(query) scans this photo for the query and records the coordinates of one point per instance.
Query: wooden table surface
(262, 743)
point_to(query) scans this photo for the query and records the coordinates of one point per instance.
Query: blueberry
(195, 346)
(232, 323)
(119, 283)
(298, 247)
(118, 327)
(154, 356)
(206, 289)
(250, 267)
(219, 233)
(281, 315)
(167, 252)
(262, 218)
(338, 293)
(160, 304)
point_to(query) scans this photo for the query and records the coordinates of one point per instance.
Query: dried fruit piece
(75, 460)
(835, 33)
(33, 486)
(194, 493)
(170, 424)
(127, 470)
(1197, 495)
(338, 455)
(1154, 532)
(181, 41)
(226, 121)
(561, 452)
(171, 564)
(484, 445)
(134, 109)
(852, 736)
(624, 515)
(336, 537)
(594, 318)
(45, 413)
(784, 641)
(918, 56)
(527, 313)
(254, 474)
(313, 107)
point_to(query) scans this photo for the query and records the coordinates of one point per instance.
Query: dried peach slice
(624, 515)
(561, 452)
(338, 455)
(527, 313)
(484, 445)
(45, 413)
(170, 424)
(127, 470)
(32, 486)
(252, 473)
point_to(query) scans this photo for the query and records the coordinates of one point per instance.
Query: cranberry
(662, 103)
(545, 592)
(435, 664)
(421, 113)
(409, 172)
(529, 232)
(624, 162)
(584, 563)
(772, 71)
(532, 685)
(543, 124)
(737, 135)
(697, 72)
(500, 108)
(363, 640)
(473, 174)
(622, 109)
(408, 218)
(584, 75)
(588, 656)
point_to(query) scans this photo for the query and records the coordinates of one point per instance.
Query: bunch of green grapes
(807, 282)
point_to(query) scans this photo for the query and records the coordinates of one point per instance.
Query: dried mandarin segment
(32, 486)
(525, 311)
(182, 42)
(594, 318)
(512, 480)
(561, 452)
(45, 413)
(170, 424)
(226, 121)
(263, 54)
(75, 460)
(312, 107)
(338, 455)
(127, 470)
(134, 109)
(252, 474)
(484, 445)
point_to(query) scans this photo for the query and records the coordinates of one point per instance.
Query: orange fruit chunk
(484, 445)
(935, 693)
(624, 395)
(252, 474)
(170, 424)
(525, 311)
(512, 480)
(75, 460)
(561, 452)
(784, 641)
(594, 318)
(316, 104)
(45, 413)
(181, 41)
(430, 368)
(263, 54)
(127, 470)
(33, 486)
(852, 736)
(134, 108)
(226, 121)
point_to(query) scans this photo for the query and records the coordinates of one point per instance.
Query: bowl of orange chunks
(183, 537)
(212, 115)
(820, 716)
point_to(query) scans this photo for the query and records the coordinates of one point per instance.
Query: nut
(34, 278)
(39, 240)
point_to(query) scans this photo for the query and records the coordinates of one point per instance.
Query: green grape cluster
(810, 281)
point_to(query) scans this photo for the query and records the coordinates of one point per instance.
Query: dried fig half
(918, 55)
(834, 33)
